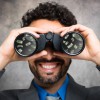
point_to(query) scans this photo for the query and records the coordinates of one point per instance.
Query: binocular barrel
(72, 43)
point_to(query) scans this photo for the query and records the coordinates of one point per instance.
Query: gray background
(17, 74)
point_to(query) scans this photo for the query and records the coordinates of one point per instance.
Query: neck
(51, 88)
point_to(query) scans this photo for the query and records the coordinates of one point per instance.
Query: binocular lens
(25, 44)
(73, 43)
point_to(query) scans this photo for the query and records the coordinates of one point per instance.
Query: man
(49, 66)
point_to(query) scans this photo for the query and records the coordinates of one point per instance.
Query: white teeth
(49, 66)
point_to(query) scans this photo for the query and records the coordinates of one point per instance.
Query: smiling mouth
(49, 66)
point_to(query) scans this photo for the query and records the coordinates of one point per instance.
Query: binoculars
(72, 43)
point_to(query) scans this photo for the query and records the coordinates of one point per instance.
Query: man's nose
(50, 50)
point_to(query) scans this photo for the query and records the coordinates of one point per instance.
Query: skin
(47, 56)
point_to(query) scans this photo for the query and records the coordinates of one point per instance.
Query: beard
(50, 77)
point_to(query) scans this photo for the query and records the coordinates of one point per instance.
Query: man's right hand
(7, 52)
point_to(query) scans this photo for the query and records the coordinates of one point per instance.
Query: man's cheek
(32, 66)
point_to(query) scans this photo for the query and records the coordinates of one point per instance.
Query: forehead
(46, 24)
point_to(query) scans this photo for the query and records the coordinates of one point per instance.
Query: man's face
(49, 68)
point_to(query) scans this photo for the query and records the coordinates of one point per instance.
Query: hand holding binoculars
(72, 43)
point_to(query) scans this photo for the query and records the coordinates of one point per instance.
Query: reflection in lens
(25, 44)
(73, 43)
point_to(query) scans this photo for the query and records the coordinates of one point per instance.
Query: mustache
(46, 60)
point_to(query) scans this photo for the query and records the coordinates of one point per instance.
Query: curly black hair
(50, 11)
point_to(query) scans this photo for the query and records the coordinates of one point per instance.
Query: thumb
(37, 55)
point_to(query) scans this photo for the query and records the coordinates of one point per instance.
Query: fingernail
(44, 52)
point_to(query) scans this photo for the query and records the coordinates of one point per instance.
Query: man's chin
(49, 78)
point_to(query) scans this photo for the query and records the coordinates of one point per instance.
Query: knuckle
(13, 31)
(90, 30)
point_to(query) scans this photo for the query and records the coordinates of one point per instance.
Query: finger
(29, 30)
(78, 27)
(40, 54)
(38, 30)
(14, 33)
(65, 31)
(85, 31)
(82, 29)
(59, 30)
(33, 30)
(64, 55)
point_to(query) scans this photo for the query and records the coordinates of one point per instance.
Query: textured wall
(17, 74)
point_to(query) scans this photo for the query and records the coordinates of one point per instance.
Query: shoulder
(80, 91)
(19, 94)
(76, 90)
(94, 93)
(11, 94)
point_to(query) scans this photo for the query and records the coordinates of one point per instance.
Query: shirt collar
(61, 91)
(41, 92)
